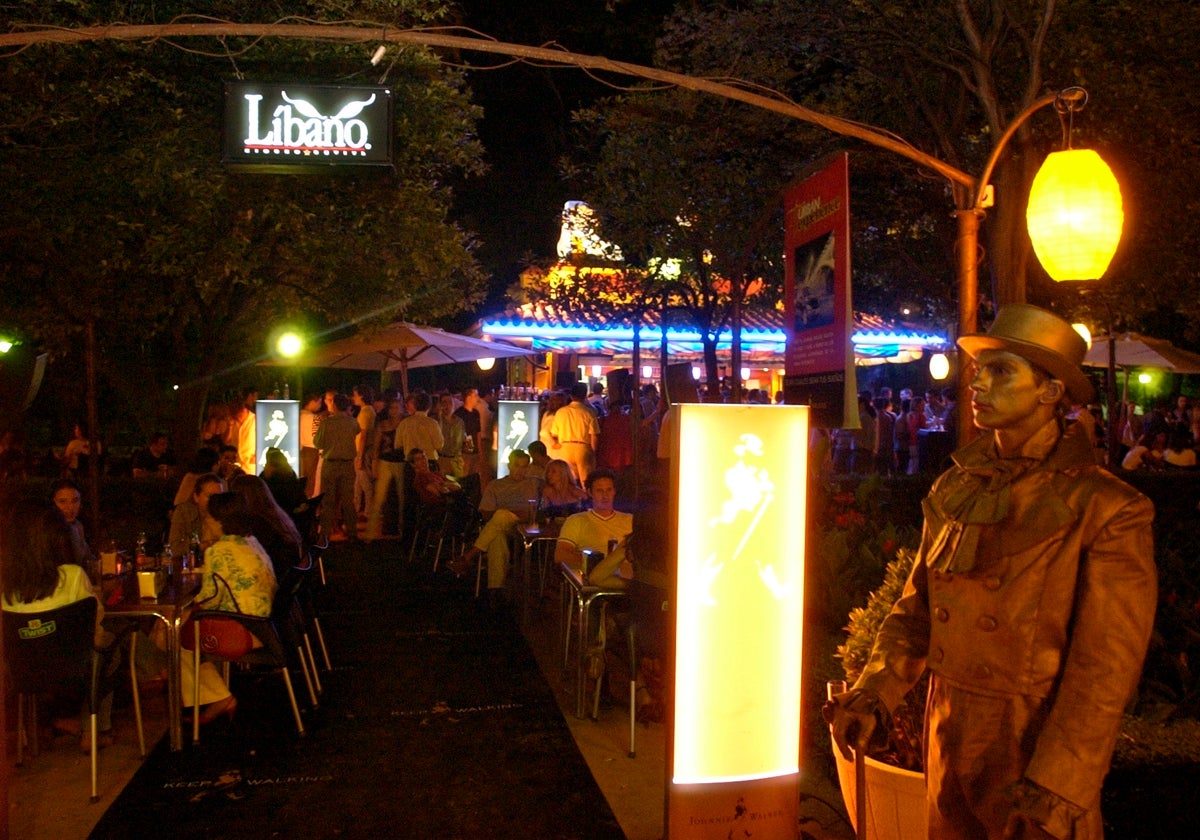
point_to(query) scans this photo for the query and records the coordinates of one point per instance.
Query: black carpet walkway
(435, 723)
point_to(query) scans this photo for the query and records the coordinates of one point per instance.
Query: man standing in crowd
(308, 450)
(418, 430)
(363, 397)
(576, 433)
(1031, 602)
(450, 457)
(473, 458)
(244, 435)
(336, 440)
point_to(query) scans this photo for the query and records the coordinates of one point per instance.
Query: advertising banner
(277, 425)
(518, 427)
(296, 127)
(819, 368)
(738, 531)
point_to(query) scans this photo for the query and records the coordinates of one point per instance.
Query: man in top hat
(1031, 602)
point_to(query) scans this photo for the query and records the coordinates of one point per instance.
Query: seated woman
(561, 496)
(191, 517)
(238, 577)
(1179, 451)
(282, 480)
(1148, 453)
(67, 498)
(40, 574)
(269, 523)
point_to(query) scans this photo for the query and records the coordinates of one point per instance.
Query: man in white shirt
(576, 433)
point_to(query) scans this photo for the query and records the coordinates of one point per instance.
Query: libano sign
(296, 127)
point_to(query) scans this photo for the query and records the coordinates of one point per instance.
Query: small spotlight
(380, 51)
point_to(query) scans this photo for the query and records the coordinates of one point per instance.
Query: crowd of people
(888, 437)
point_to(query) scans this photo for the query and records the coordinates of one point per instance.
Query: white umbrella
(401, 346)
(1135, 350)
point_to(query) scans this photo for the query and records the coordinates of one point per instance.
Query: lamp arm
(981, 186)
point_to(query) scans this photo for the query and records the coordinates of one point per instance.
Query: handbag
(224, 639)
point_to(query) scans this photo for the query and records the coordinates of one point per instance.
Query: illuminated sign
(277, 425)
(296, 127)
(735, 725)
(518, 428)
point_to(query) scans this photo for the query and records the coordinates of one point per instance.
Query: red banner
(820, 357)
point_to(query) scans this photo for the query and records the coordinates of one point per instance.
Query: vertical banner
(734, 729)
(518, 428)
(819, 311)
(277, 424)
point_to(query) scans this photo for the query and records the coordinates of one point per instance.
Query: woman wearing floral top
(242, 563)
(239, 559)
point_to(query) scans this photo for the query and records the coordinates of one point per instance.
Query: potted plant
(895, 780)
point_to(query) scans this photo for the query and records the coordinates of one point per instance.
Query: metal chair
(50, 650)
(270, 658)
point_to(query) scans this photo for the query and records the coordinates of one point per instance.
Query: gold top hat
(1039, 337)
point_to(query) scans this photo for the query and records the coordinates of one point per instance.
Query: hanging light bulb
(486, 363)
(1075, 215)
(939, 366)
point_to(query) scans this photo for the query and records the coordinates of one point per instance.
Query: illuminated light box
(740, 476)
(519, 423)
(291, 127)
(277, 424)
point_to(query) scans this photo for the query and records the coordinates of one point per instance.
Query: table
(584, 594)
(171, 607)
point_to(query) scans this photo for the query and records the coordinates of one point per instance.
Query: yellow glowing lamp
(939, 366)
(1075, 215)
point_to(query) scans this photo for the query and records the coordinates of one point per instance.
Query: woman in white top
(39, 575)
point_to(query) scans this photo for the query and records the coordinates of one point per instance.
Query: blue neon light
(546, 334)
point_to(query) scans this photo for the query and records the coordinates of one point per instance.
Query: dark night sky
(526, 122)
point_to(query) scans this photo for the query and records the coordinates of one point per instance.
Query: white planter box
(895, 799)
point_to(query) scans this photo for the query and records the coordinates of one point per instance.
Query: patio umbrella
(401, 346)
(1135, 350)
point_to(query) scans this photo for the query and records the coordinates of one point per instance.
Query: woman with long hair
(561, 496)
(40, 574)
(269, 523)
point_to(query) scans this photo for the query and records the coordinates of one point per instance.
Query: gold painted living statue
(1031, 602)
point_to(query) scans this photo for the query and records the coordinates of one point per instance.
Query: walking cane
(860, 791)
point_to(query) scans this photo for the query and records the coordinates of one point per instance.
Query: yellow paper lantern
(1075, 215)
(939, 366)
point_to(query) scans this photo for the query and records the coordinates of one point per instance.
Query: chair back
(304, 516)
(49, 649)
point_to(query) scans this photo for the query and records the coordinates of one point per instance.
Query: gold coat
(1032, 603)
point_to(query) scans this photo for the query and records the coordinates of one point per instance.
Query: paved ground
(48, 796)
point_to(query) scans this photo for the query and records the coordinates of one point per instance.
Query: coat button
(992, 583)
(983, 672)
(941, 614)
(987, 623)
(937, 655)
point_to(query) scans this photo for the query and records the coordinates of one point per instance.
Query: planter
(895, 799)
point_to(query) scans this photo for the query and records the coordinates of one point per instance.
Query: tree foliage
(120, 212)
(949, 78)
